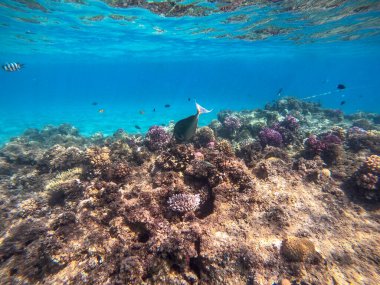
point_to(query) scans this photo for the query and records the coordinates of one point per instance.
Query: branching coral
(119, 171)
(183, 203)
(99, 158)
(231, 124)
(120, 151)
(290, 123)
(63, 178)
(360, 139)
(204, 136)
(176, 158)
(157, 138)
(368, 176)
(314, 146)
(373, 164)
(328, 146)
(225, 147)
(60, 158)
(271, 137)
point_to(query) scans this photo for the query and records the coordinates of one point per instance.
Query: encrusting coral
(230, 206)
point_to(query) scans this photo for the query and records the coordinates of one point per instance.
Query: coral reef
(204, 137)
(297, 249)
(157, 138)
(270, 137)
(368, 177)
(244, 202)
(231, 124)
(328, 146)
(183, 203)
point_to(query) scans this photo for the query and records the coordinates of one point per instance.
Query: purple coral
(157, 138)
(232, 123)
(317, 146)
(183, 203)
(314, 145)
(356, 131)
(331, 139)
(271, 137)
(290, 123)
(287, 128)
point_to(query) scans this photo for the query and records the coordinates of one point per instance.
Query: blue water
(149, 60)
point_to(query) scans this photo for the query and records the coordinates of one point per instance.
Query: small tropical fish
(185, 128)
(137, 127)
(188, 99)
(154, 109)
(141, 112)
(101, 111)
(13, 66)
(279, 92)
(342, 103)
(167, 106)
(341, 86)
(94, 103)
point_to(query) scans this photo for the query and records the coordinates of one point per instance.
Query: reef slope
(290, 192)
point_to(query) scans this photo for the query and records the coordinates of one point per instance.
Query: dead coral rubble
(222, 209)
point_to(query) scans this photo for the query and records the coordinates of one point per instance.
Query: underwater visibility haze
(190, 142)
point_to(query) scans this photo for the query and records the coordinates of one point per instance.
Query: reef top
(288, 194)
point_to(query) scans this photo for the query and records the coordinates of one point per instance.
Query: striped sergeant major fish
(13, 66)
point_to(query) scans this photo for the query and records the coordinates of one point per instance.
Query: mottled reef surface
(288, 194)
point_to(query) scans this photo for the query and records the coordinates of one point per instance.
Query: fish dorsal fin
(202, 110)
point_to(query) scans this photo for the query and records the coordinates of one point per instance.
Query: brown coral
(176, 158)
(204, 136)
(118, 227)
(373, 164)
(119, 171)
(61, 158)
(98, 157)
(367, 177)
(297, 249)
(225, 147)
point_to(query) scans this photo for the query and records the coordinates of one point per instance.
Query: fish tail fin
(202, 110)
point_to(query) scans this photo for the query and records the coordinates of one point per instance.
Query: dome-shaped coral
(204, 136)
(157, 138)
(373, 164)
(271, 137)
(232, 123)
(368, 175)
(297, 249)
(98, 157)
(225, 147)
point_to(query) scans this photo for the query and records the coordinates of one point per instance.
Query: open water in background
(71, 62)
